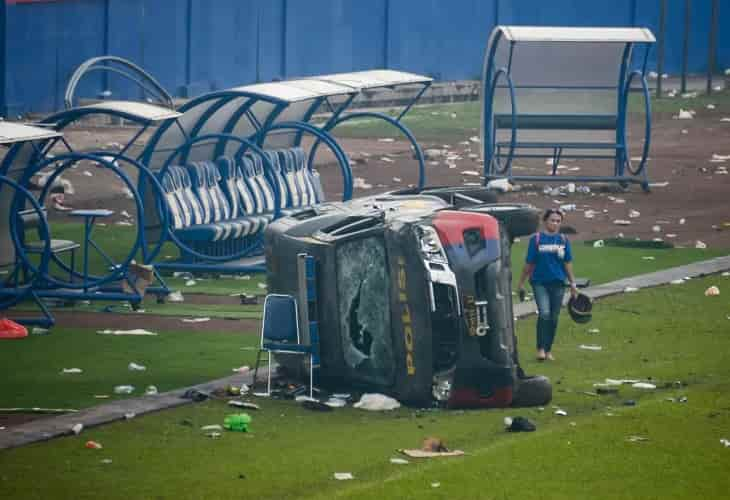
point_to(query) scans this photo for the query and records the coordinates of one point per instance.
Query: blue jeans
(549, 299)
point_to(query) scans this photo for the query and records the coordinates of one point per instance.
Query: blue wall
(194, 46)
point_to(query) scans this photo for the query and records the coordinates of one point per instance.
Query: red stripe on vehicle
(451, 224)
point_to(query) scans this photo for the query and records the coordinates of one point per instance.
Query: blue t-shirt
(549, 257)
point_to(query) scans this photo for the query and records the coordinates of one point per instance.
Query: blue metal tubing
(393, 121)
(647, 129)
(322, 136)
(490, 130)
(66, 161)
(571, 178)
(18, 292)
(98, 295)
(622, 105)
(184, 247)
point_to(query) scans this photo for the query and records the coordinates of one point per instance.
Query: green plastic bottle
(237, 422)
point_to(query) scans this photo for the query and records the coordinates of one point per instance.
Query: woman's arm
(526, 273)
(571, 277)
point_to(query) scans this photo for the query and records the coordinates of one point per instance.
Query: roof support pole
(685, 45)
(660, 48)
(711, 55)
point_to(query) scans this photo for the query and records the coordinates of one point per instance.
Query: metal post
(660, 48)
(713, 44)
(685, 46)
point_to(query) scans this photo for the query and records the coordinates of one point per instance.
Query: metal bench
(562, 92)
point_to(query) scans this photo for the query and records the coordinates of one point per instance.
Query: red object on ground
(93, 445)
(9, 329)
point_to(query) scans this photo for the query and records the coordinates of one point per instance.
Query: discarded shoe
(521, 424)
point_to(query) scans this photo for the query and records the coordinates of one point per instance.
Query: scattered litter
(561, 413)
(241, 369)
(343, 476)
(136, 331)
(636, 439)
(622, 222)
(151, 391)
(684, 115)
(415, 453)
(656, 229)
(725, 274)
(594, 330)
(376, 402)
(385, 159)
(712, 291)
(711, 106)
(633, 214)
(648, 257)
(243, 404)
(700, 244)
(598, 244)
(725, 119)
(644, 385)
(106, 461)
(518, 424)
(670, 235)
(37, 330)
(502, 185)
(134, 367)
(679, 281)
(397, 179)
(77, 428)
(659, 184)
(386, 139)
(336, 403)
(399, 461)
(435, 485)
(196, 320)
(237, 422)
(213, 427)
(87, 173)
(472, 173)
(570, 207)
(717, 157)
(590, 347)
(725, 442)
(93, 445)
(630, 289)
(71, 370)
(190, 283)
(101, 396)
(474, 139)
(123, 389)
(129, 415)
(589, 214)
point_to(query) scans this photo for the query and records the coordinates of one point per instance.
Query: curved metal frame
(21, 291)
(322, 136)
(184, 247)
(141, 79)
(621, 158)
(647, 126)
(492, 143)
(67, 160)
(388, 119)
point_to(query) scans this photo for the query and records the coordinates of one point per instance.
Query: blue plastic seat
(280, 334)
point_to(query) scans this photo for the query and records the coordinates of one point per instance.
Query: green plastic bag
(237, 422)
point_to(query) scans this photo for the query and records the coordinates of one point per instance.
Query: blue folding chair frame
(280, 334)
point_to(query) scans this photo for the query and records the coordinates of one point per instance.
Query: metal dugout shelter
(562, 92)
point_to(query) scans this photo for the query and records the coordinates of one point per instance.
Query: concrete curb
(49, 428)
(664, 277)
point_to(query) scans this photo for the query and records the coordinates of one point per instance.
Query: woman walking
(548, 264)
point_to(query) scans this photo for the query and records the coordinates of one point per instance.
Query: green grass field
(32, 367)
(458, 121)
(673, 336)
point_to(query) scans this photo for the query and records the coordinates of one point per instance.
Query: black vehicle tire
(519, 219)
(532, 391)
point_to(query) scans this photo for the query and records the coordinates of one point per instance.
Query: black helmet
(580, 308)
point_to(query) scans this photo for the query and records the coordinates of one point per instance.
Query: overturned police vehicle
(413, 292)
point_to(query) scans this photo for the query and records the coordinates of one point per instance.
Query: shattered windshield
(364, 311)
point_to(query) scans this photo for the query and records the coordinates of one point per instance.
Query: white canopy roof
(570, 34)
(375, 78)
(296, 90)
(11, 133)
(141, 110)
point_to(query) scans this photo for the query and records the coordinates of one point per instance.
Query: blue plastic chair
(280, 334)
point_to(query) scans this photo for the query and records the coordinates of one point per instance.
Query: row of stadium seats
(233, 198)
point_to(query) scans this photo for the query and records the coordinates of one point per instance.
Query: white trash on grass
(71, 371)
(590, 347)
(644, 385)
(343, 476)
(376, 402)
(176, 296)
(136, 331)
(134, 367)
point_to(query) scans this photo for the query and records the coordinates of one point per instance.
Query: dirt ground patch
(681, 151)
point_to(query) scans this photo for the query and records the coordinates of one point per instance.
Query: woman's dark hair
(551, 211)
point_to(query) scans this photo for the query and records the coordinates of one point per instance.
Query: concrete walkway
(49, 428)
